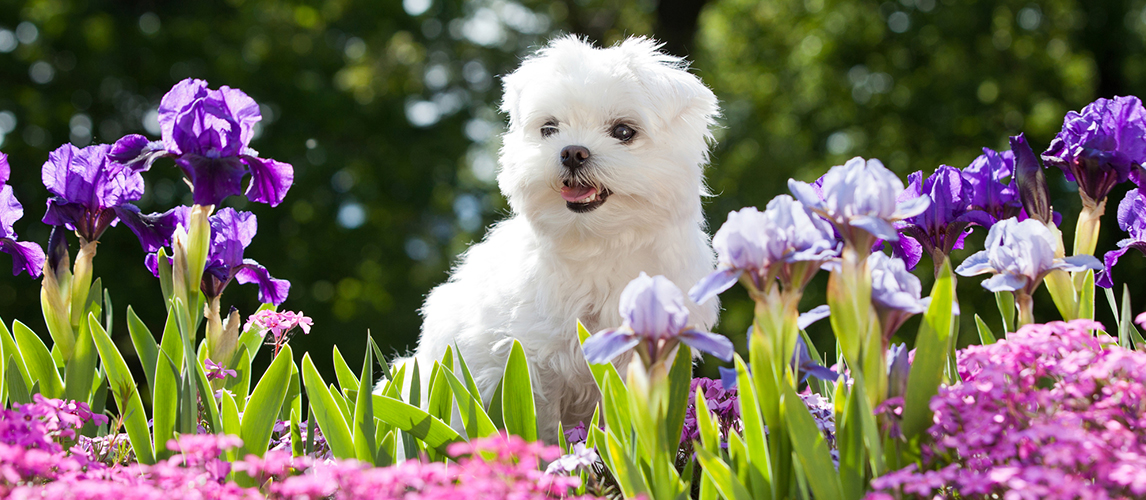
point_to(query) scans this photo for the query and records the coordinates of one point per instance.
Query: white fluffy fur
(545, 267)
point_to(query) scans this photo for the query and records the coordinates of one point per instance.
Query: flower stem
(81, 281)
(1086, 234)
(1026, 305)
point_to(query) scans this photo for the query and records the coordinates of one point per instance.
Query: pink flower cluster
(1051, 413)
(34, 464)
(278, 323)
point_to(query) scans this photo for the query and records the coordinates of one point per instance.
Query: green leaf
(203, 388)
(126, 394)
(231, 423)
(471, 384)
(365, 443)
(1086, 296)
(1125, 321)
(165, 400)
(931, 347)
(433, 432)
(325, 411)
(415, 398)
(810, 447)
(38, 359)
(78, 379)
(441, 402)
(517, 397)
(722, 476)
(1006, 303)
(474, 417)
(614, 401)
(986, 337)
(296, 443)
(627, 473)
(144, 342)
(387, 450)
(262, 410)
(241, 384)
(346, 378)
(17, 390)
(849, 439)
(165, 390)
(495, 406)
(680, 381)
(760, 477)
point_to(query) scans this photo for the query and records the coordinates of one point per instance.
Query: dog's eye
(548, 129)
(623, 133)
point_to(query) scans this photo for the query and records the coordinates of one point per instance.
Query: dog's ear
(681, 96)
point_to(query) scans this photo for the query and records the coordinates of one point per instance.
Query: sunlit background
(388, 112)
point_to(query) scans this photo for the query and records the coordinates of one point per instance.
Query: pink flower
(1053, 412)
(278, 323)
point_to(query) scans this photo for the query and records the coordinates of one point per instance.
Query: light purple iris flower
(231, 233)
(91, 192)
(208, 133)
(26, 256)
(860, 195)
(1020, 254)
(761, 245)
(1102, 146)
(655, 320)
(943, 225)
(895, 292)
(1132, 219)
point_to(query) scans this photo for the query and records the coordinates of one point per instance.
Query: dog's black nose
(573, 157)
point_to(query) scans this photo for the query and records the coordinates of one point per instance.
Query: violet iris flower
(990, 193)
(26, 256)
(208, 134)
(943, 225)
(1132, 219)
(761, 246)
(1102, 146)
(92, 192)
(231, 233)
(860, 195)
(1020, 254)
(655, 320)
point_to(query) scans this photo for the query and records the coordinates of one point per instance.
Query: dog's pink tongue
(577, 193)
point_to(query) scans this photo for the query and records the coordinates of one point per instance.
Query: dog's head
(601, 140)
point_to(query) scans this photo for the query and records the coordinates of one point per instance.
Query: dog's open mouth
(583, 198)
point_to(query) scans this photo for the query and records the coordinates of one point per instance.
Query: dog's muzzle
(581, 195)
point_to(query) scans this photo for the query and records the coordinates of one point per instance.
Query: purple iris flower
(1132, 219)
(26, 256)
(655, 320)
(1102, 146)
(208, 133)
(993, 188)
(92, 192)
(1020, 254)
(943, 225)
(895, 292)
(762, 245)
(231, 233)
(898, 368)
(860, 195)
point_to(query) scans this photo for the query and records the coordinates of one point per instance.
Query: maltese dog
(602, 165)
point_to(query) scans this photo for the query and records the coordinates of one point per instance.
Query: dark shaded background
(387, 110)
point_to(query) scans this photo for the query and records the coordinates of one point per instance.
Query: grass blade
(517, 396)
(325, 411)
(126, 394)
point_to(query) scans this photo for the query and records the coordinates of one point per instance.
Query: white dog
(602, 165)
